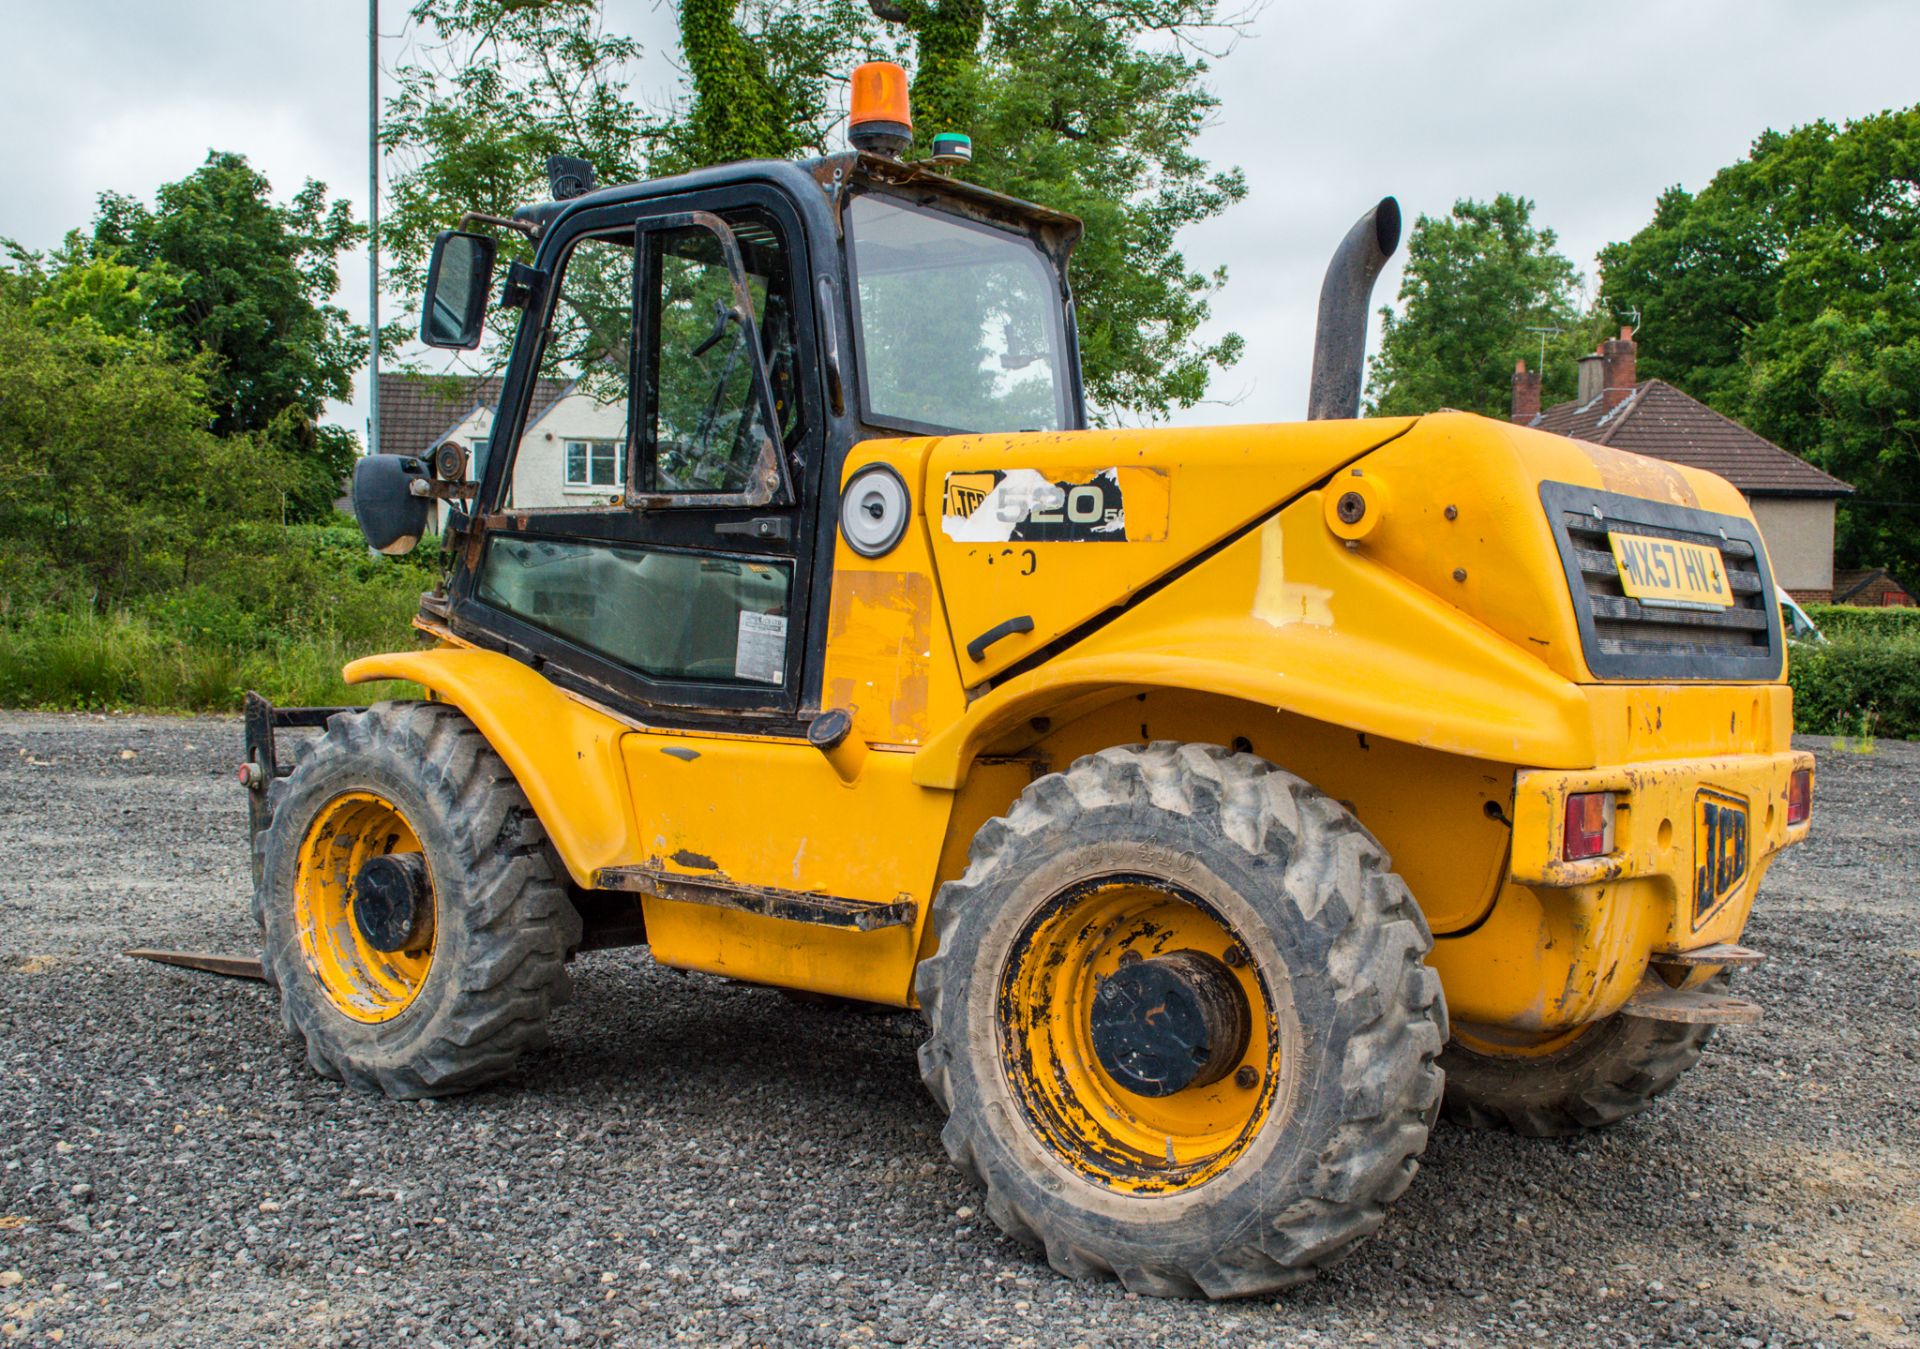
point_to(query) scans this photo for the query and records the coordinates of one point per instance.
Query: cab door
(649, 496)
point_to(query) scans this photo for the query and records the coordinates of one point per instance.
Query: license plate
(1719, 850)
(1670, 571)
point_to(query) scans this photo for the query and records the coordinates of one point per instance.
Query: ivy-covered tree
(1787, 294)
(1480, 282)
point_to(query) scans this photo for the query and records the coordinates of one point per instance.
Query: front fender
(1290, 618)
(564, 754)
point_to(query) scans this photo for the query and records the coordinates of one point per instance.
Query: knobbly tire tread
(1613, 1072)
(476, 1015)
(1387, 1083)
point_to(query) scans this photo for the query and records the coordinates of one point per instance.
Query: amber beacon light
(881, 122)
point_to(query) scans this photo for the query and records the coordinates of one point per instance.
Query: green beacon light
(952, 147)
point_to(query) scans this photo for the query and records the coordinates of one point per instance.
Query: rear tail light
(1589, 826)
(1800, 796)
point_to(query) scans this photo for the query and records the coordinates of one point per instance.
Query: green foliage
(217, 266)
(254, 284)
(1787, 294)
(497, 89)
(109, 473)
(1091, 106)
(1858, 683)
(142, 557)
(1476, 281)
(1835, 620)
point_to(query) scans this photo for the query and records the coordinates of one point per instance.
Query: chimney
(1618, 357)
(1526, 394)
(1593, 377)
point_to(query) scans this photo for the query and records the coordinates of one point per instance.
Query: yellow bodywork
(1423, 666)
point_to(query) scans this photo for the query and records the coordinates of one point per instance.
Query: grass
(124, 662)
(279, 615)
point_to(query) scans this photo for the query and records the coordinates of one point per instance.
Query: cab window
(961, 325)
(573, 455)
(704, 427)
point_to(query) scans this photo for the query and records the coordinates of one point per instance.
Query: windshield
(960, 324)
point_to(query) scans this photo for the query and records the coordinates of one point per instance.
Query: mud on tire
(1308, 895)
(503, 923)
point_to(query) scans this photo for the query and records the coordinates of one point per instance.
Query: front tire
(1117, 1157)
(444, 990)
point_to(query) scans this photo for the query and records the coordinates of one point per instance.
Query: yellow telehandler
(1231, 801)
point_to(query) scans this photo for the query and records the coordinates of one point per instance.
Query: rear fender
(564, 754)
(1289, 618)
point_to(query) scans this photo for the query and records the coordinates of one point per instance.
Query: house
(1792, 501)
(573, 446)
(1872, 587)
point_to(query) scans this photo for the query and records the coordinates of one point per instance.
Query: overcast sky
(1590, 109)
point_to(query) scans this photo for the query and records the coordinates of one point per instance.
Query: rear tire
(472, 991)
(1611, 1072)
(1131, 855)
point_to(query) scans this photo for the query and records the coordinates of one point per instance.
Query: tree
(1787, 293)
(1477, 282)
(1088, 105)
(79, 494)
(249, 282)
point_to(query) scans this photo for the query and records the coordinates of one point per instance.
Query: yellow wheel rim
(364, 983)
(1116, 1137)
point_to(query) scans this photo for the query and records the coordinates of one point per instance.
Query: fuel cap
(873, 511)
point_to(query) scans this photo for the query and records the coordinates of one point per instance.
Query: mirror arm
(526, 227)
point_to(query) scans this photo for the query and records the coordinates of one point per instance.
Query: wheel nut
(1247, 1078)
(1234, 956)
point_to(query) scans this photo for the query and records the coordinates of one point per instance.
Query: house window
(596, 463)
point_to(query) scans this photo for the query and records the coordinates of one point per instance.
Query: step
(1654, 1000)
(1721, 953)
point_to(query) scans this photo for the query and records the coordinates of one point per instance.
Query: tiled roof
(1659, 421)
(417, 410)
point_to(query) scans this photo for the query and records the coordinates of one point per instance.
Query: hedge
(1859, 682)
(1836, 619)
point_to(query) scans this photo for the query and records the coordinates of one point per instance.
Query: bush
(1836, 619)
(1859, 682)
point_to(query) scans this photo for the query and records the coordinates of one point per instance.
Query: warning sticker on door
(761, 651)
(1023, 505)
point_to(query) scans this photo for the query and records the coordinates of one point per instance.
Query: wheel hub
(392, 900)
(1175, 1021)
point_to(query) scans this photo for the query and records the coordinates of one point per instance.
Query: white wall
(540, 467)
(1799, 536)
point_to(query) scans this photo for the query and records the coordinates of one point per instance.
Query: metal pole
(373, 226)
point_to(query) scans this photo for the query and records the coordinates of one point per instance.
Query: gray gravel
(701, 1162)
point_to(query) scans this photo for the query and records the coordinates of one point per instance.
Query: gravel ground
(707, 1163)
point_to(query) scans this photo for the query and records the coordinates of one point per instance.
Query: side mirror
(458, 279)
(391, 514)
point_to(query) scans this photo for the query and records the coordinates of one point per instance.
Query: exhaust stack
(1340, 340)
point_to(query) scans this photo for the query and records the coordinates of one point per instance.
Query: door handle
(761, 527)
(977, 648)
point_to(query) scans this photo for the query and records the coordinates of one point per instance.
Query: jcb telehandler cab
(1222, 797)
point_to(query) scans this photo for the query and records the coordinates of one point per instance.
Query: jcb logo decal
(965, 492)
(1719, 850)
(1025, 505)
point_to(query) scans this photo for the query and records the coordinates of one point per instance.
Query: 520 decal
(1023, 505)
